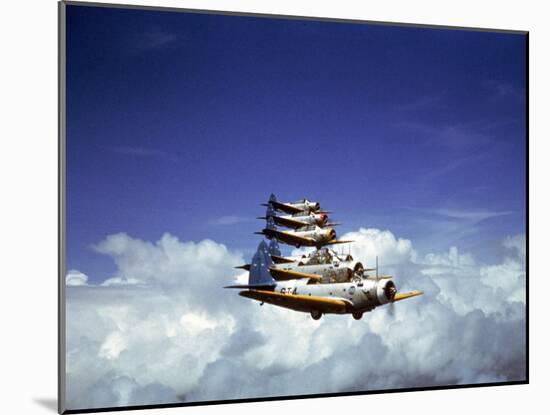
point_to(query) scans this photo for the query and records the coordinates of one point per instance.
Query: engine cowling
(330, 234)
(385, 291)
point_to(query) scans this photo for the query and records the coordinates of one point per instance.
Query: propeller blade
(391, 310)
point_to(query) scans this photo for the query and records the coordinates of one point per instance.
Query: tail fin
(270, 224)
(274, 248)
(269, 212)
(259, 276)
(272, 199)
(259, 268)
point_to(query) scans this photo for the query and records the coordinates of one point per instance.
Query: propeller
(389, 291)
(391, 310)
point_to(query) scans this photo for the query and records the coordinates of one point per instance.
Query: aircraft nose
(390, 290)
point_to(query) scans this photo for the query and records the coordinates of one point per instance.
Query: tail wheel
(316, 314)
(357, 315)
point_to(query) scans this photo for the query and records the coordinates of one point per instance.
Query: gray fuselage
(362, 296)
(335, 272)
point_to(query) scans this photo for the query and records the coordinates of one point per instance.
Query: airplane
(326, 264)
(298, 220)
(302, 205)
(323, 265)
(310, 235)
(319, 256)
(307, 295)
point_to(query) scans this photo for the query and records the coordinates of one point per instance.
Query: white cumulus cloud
(370, 243)
(75, 278)
(164, 330)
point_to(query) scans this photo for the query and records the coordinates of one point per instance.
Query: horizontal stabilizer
(404, 296)
(285, 275)
(245, 267)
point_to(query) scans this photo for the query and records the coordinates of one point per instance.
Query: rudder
(273, 248)
(259, 268)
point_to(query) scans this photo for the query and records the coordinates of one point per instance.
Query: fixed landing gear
(357, 315)
(316, 314)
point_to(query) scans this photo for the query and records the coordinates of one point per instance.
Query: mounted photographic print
(261, 207)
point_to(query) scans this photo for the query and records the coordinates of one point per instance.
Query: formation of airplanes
(320, 282)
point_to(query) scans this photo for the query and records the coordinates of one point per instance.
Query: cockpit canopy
(324, 256)
(321, 256)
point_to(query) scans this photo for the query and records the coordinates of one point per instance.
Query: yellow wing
(290, 223)
(286, 208)
(292, 239)
(404, 296)
(285, 275)
(334, 242)
(297, 302)
(281, 259)
(380, 277)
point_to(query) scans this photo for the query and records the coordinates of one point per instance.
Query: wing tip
(404, 296)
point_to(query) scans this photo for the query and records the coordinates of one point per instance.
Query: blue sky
(185, 123)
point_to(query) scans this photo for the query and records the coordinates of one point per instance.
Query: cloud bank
(161, 329)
